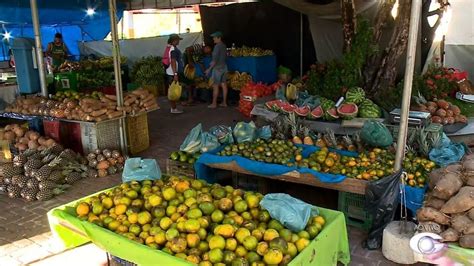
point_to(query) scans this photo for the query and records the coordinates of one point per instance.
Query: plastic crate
(137, 133)
(178, 168)
(353, 207)
(72, 132)
(36, 124)
(67, 81)
(103, 135)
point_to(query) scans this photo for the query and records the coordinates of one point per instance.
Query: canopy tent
(169, 4)
(68, 17)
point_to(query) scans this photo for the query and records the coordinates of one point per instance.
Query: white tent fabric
(459, 44)
(166, 4)
(328, 11)
(147, 46)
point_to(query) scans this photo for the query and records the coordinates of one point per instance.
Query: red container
(52, 129)
(71, 132)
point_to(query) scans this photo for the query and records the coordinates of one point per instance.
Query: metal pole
(39, 48)
(117, 71)
(408, 79)
(301, 44)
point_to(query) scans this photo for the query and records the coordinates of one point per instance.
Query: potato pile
(24, 139)
(449, 205)
(138, 101)
(105, 162)
(28, 106)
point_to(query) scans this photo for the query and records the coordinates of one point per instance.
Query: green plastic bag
(192, 143)
(376, 134)
(245, 132)
(209, 142)
(138, 169)
(291, 212)
(174, 91)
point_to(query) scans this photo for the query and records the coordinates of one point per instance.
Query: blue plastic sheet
(261, 168)
(448, 153)
(291, 212)
(414, 197)
(138, 169)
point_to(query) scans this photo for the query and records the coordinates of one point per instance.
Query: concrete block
(396, 244)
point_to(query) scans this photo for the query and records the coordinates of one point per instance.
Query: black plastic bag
(381, 198)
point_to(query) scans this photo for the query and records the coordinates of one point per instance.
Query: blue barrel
(26, 65)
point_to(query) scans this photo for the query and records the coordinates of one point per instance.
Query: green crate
(353, 207)
(66, 81)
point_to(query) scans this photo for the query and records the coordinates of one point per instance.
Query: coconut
(23, 140)
(33, 144)
(450, 120)
(443, 104)
(436, 119)
(455, 109)
(9, 135)
(441, 112)
(19, 131)
(49, 143)
(449, 113)
(41, 140)
(21, 146)
(34, 135)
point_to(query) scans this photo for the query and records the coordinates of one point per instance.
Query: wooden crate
(178, 168)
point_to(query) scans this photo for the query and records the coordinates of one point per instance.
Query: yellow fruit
(169, 193)
(241, 234)
(160, 238)
(225, 230)
(273, 256)
(216, 255)
(193, 240)
(217, 242)
(241, 251)
(182, 186)
(319, 220)
(193, 258)
(292, 250)
(230, 244)
(192, 226)
(301, 244)
(133, 218)
(120, 209)
(270, 234)
(82, 209)
(262, 248)
(144, 217)
(155, 200)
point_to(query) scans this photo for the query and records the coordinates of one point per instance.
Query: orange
(82, 209)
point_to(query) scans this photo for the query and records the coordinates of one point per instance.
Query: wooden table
(351, 185)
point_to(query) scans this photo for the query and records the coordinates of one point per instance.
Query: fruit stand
(328, 247)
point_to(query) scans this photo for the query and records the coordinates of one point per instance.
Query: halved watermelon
(316, 113)
(348, 110)
(287, 108)
(273, 105)
(331, 114)
(303, 111)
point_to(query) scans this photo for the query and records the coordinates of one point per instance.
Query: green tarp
(330, 246)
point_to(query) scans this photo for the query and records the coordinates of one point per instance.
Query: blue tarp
(65, 16)
(414, 197)
(259, 168)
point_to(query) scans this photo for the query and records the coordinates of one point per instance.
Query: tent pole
(39, 48)
(301, 44)
(117, 71)
(408, 81)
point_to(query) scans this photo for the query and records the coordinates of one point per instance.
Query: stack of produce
(448, 209)
(184, 157)
(105, 162)
(87, 109)
(138, 101)
(203, 224)
(96, 79)
(39, 175)
(238, 80)
(60, 96)
(249, 51)
(24, 139)
(268, 151)
(441, 111)
(250, 93)
(69, 66)
(26, 105)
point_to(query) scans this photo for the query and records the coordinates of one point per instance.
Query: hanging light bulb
(7, 35)
(90, 12)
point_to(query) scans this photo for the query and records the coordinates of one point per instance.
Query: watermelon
(347, 110)
(355, 95)
(287, 108)
(273, 105)
(369, 110)
(327, 104)
(331, 114)
(303, 111)
(316, 113)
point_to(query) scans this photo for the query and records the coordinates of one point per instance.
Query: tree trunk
(348, 23)
(383, 14)
(387, 72)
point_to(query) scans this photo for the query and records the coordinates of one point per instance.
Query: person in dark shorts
(193, 57)
(218, 70)
(175, 68)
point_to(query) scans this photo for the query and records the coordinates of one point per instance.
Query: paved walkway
(24, 231)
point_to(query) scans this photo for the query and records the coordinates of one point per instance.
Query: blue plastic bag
(291, 212)
(448, 153)
(245, 132)
(280, 93)
(223, 134)
(209, 142)
(192, 143)
(264, 132)
(138, 169)
(414, 197)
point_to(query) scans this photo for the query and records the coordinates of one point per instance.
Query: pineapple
(19, 180)
(294, 129)
(423, 141)
(43, 173)
(321, 142)
(13, 191)
(358, 142)
(73, 177)
(45, 195)
(330, 138)
(307, 139)
(20, 160)
(348, 143)
(45, 185)
(32, 164)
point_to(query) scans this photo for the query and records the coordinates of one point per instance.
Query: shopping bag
(245, 132)
(138, 169)
(264, 132)
(223, 134)
(174, 91)
(209, 142)
(192, 142)
(291, 212)
(376, 134)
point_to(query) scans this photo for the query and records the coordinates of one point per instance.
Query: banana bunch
(238, 80)
(189, 71)
(250, 51)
